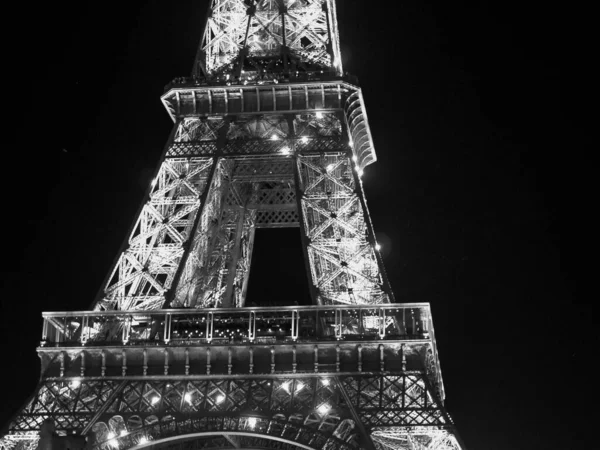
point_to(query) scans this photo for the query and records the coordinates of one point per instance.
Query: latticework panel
(145, 270)
(314, 411)
(268, 28)
(341, 244)
(402, 438)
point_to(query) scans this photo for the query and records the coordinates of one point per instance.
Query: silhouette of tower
(269, 132)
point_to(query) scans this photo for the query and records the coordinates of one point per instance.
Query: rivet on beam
(124, 363)
(145, 366)
(381, 358)
(229, 365)
(294, 365)
(187, 361)
(359, 357)
(103, 366)
(337, 358)
(272, 359)
(316, 352)
(82, 370)
(166, 362)
(207, 360)
(251, 367)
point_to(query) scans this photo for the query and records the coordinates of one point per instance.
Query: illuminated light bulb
(330, 167)
(111, 435)
(143, 440)
(274, 137)
(319, 115)
(123, 433)
(220, 398)
(155, 400)
(360, 172)
(75, 384)
(325, 381)
(251, 422)
(285, 151)
(299, 386)
(355, 158)
(286, 386)
(323, 409)
(304, 139)
(188, 397)
(377, 247)
(351, 144)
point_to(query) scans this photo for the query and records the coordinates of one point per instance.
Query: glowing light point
(323, 409)
(319, 115)
(285, 151)
(274, 137)
(123, 433)
(75, 384)
(377, 247)
(220, 398)
(111, 435)
(299, 386)
(143, 440)
(188, 397)
(251, 422)
(355, 158)
(154, 400)
(304, 139)
(325, 381)
(360, 172)
(330, 167)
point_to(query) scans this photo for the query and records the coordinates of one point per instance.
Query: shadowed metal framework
(269, 132)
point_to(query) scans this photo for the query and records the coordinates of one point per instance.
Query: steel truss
(269, 35)
(197, 228)
(313, 411)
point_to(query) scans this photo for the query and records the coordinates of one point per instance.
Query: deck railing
(220, 325)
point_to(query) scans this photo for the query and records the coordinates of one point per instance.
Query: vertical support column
(252, 326)
(209, 326)
(299, 186)
(227, 300)
(295, 324)
(371, 234)
(123, 362)
(187, 361)
(103, 363)
(82, 369)
(187, 247)
(145, 362)
(251, 366)
(207, 360)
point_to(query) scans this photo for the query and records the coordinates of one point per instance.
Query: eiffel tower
(268, 132)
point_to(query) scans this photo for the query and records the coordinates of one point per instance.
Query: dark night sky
(472, 195)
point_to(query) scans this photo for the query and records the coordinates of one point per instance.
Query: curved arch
(298, 435)
(173, 439)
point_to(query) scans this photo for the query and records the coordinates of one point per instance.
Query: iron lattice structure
(268, 133)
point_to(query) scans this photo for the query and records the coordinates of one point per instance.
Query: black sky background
(474, 196)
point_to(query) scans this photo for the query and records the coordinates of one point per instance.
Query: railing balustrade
(253, 325)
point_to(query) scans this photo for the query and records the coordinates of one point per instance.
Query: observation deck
(240, 342)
